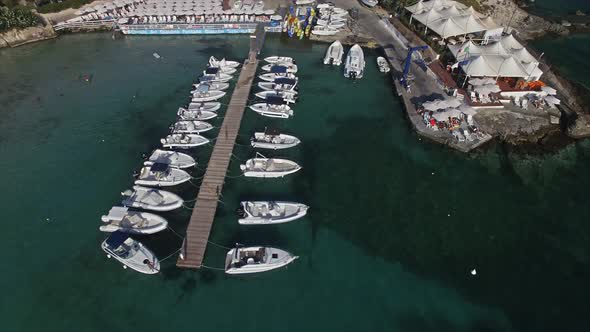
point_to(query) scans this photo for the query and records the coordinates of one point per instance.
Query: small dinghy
(131, 253)
(325, 6)
(151, 199)
(273, 139)
(223, 63)
(225, 70)
(271, 77)
(324, 30)
(190, 127)
(135, 222)
(304, 2)
(268, 213)
(291, 68)
(161, 175)
(184, 141)
(212, 86)
(210, 106)
(204, 94)
(287, 96)
(354, 66)
(256, 259)
(383, 65)
(273, 108)
(198, 115)
(262, 167)
(334, 54)
(279, 59)
(281, 84)
(170, 158)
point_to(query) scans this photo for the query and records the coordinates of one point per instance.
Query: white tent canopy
(450, 18)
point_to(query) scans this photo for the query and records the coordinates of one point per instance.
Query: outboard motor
(241, 212)
(144, 156)
(135, 174)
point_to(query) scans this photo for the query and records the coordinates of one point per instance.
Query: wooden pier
(199, 227)
(201, 221)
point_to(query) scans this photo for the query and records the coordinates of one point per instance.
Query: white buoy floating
(473, 272)
(156, 55)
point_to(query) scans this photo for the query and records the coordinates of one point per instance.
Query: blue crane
(404, 79)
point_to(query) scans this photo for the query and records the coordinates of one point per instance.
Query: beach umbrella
(453, 102)
(444, 115)
(549, 90)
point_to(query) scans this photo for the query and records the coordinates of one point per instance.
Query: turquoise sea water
(395, 225)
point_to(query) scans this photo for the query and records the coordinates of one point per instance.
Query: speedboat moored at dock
(213, 62)
(170, 158)
(212, 86)
(131, 253)
(279, 59)
(262, 167)
(183, 141)
(190, 127)
(256, 259)
(354, 66)
(209, 106)
(273, 108)
(334, 54)
(281, 84)
(192, 115)
(270, 212)
(135, 222)
(291, 68)
(271, 139)
(383, 65)
(204, 94)
(161, 175)
(287, 96)
(151, 199)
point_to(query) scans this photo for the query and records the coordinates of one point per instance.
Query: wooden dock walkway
(201, 221)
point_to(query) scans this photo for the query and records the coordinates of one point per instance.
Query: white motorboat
(304, 2)
(325, 6)
(273, 108)
(183, 141)
(288, 96)
(369, 3)
(271, 77)
(223, 63)
(210, 106)
(225, 70)
(212, 86)
(161, 175)
(354, 66)
(333, 22)
(192, 115)
(324, 30)
(269, 212)
(383, 65)
(135, 222)
(281, 83)
(291, 68)
(170, 158)
(272, 139)
(190, 127)
(262, 167)
(151, 199)
(256, 259)
(131, 253)
(279, 59)
(214, 75)
(334, 54)
(204, 94)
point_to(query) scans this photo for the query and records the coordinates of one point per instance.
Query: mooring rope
(174, 253)
(175, 233)
(218, 245)
(212, 268)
